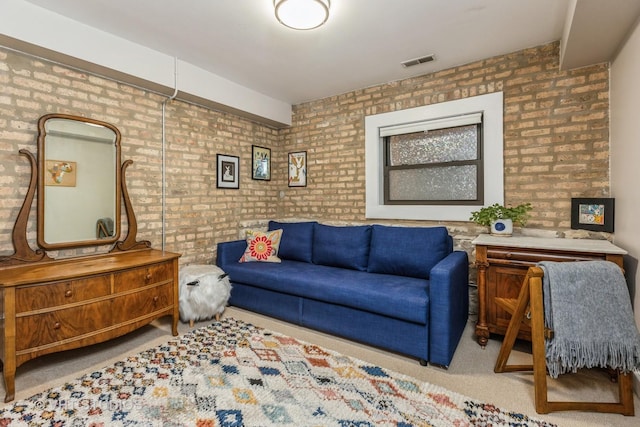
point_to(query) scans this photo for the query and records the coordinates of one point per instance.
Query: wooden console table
(66, 304)
(502, 264)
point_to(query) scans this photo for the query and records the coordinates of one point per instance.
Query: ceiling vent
(416, 61)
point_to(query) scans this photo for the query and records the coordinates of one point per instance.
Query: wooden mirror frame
(23, 253)
(42, 200)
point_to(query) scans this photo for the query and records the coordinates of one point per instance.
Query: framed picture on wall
(227, 171)
(260, 163)
(298, 169)
(594, 214)
(60, 173)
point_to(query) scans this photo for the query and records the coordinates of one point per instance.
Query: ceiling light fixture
(302, 14)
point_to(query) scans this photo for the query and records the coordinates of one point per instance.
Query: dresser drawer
(46, 295)
(46, 328)
(139, 304)
(143, 276)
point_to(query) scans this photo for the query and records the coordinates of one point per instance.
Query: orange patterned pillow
(262, 246)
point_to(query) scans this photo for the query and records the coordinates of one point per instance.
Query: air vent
(416, 61)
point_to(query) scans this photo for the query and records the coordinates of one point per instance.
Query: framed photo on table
(227, 171)
(594, 214)
(298, 169)
(260, 163)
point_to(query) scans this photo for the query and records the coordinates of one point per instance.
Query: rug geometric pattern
(233, 374)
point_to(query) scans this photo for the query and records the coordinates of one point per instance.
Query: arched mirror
(79, 186)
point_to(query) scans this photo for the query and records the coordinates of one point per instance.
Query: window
(434, 162)
(434, 187)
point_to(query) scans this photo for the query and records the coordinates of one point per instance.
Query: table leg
(482, 330)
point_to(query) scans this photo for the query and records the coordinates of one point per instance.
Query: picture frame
(227, 171)
(298, 169)
(60, 173)
(594, 214)
(260, 163)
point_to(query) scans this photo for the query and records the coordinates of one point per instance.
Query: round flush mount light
(302, 14)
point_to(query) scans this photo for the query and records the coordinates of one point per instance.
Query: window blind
(426, 125)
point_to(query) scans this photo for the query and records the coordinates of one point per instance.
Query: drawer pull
(68, 293)
(148, 277)
(156, 298)
(56, 325)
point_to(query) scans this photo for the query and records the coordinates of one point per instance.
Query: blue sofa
(403, 289)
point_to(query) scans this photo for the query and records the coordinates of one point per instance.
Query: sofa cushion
(398, 297)
(407, 251)
(297, 240)
(346, 247)
(262, 246)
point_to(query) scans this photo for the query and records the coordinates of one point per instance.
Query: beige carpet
(471, 371)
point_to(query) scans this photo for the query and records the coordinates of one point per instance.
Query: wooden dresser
(502, 263)
(66, 304)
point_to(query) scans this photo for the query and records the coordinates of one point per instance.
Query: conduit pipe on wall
(164, 150)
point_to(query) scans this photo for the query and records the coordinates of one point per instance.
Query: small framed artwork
(298, 169)
(227, 171)
(60, 173)
(594, 214)
(260, 163)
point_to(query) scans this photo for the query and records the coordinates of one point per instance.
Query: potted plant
(501, 218)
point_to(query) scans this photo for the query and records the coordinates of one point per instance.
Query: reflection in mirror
(78, 183)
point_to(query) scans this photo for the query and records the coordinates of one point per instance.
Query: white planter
(502, 227)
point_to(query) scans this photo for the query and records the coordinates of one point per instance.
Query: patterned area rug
(232, 374)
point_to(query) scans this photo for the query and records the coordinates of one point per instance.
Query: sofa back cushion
(297, 240)
(346, 247)
(407, 251)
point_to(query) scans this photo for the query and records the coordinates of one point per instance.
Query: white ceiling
(362, 44)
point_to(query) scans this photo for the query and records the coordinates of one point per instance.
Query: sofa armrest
(230, 252)
(448, 306)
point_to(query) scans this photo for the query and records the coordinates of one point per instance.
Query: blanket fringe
(564, 356)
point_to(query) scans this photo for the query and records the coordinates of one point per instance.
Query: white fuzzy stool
(204, 292)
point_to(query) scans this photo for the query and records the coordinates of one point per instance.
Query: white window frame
(491, 107)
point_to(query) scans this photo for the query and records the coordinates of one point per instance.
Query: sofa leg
(423, 362)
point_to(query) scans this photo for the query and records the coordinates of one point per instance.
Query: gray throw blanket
(587, 305)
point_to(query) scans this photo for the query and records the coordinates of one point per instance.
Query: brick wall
(556, 132)
(556, 146)
(197, 213)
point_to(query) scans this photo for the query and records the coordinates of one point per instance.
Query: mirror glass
(78, 182)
